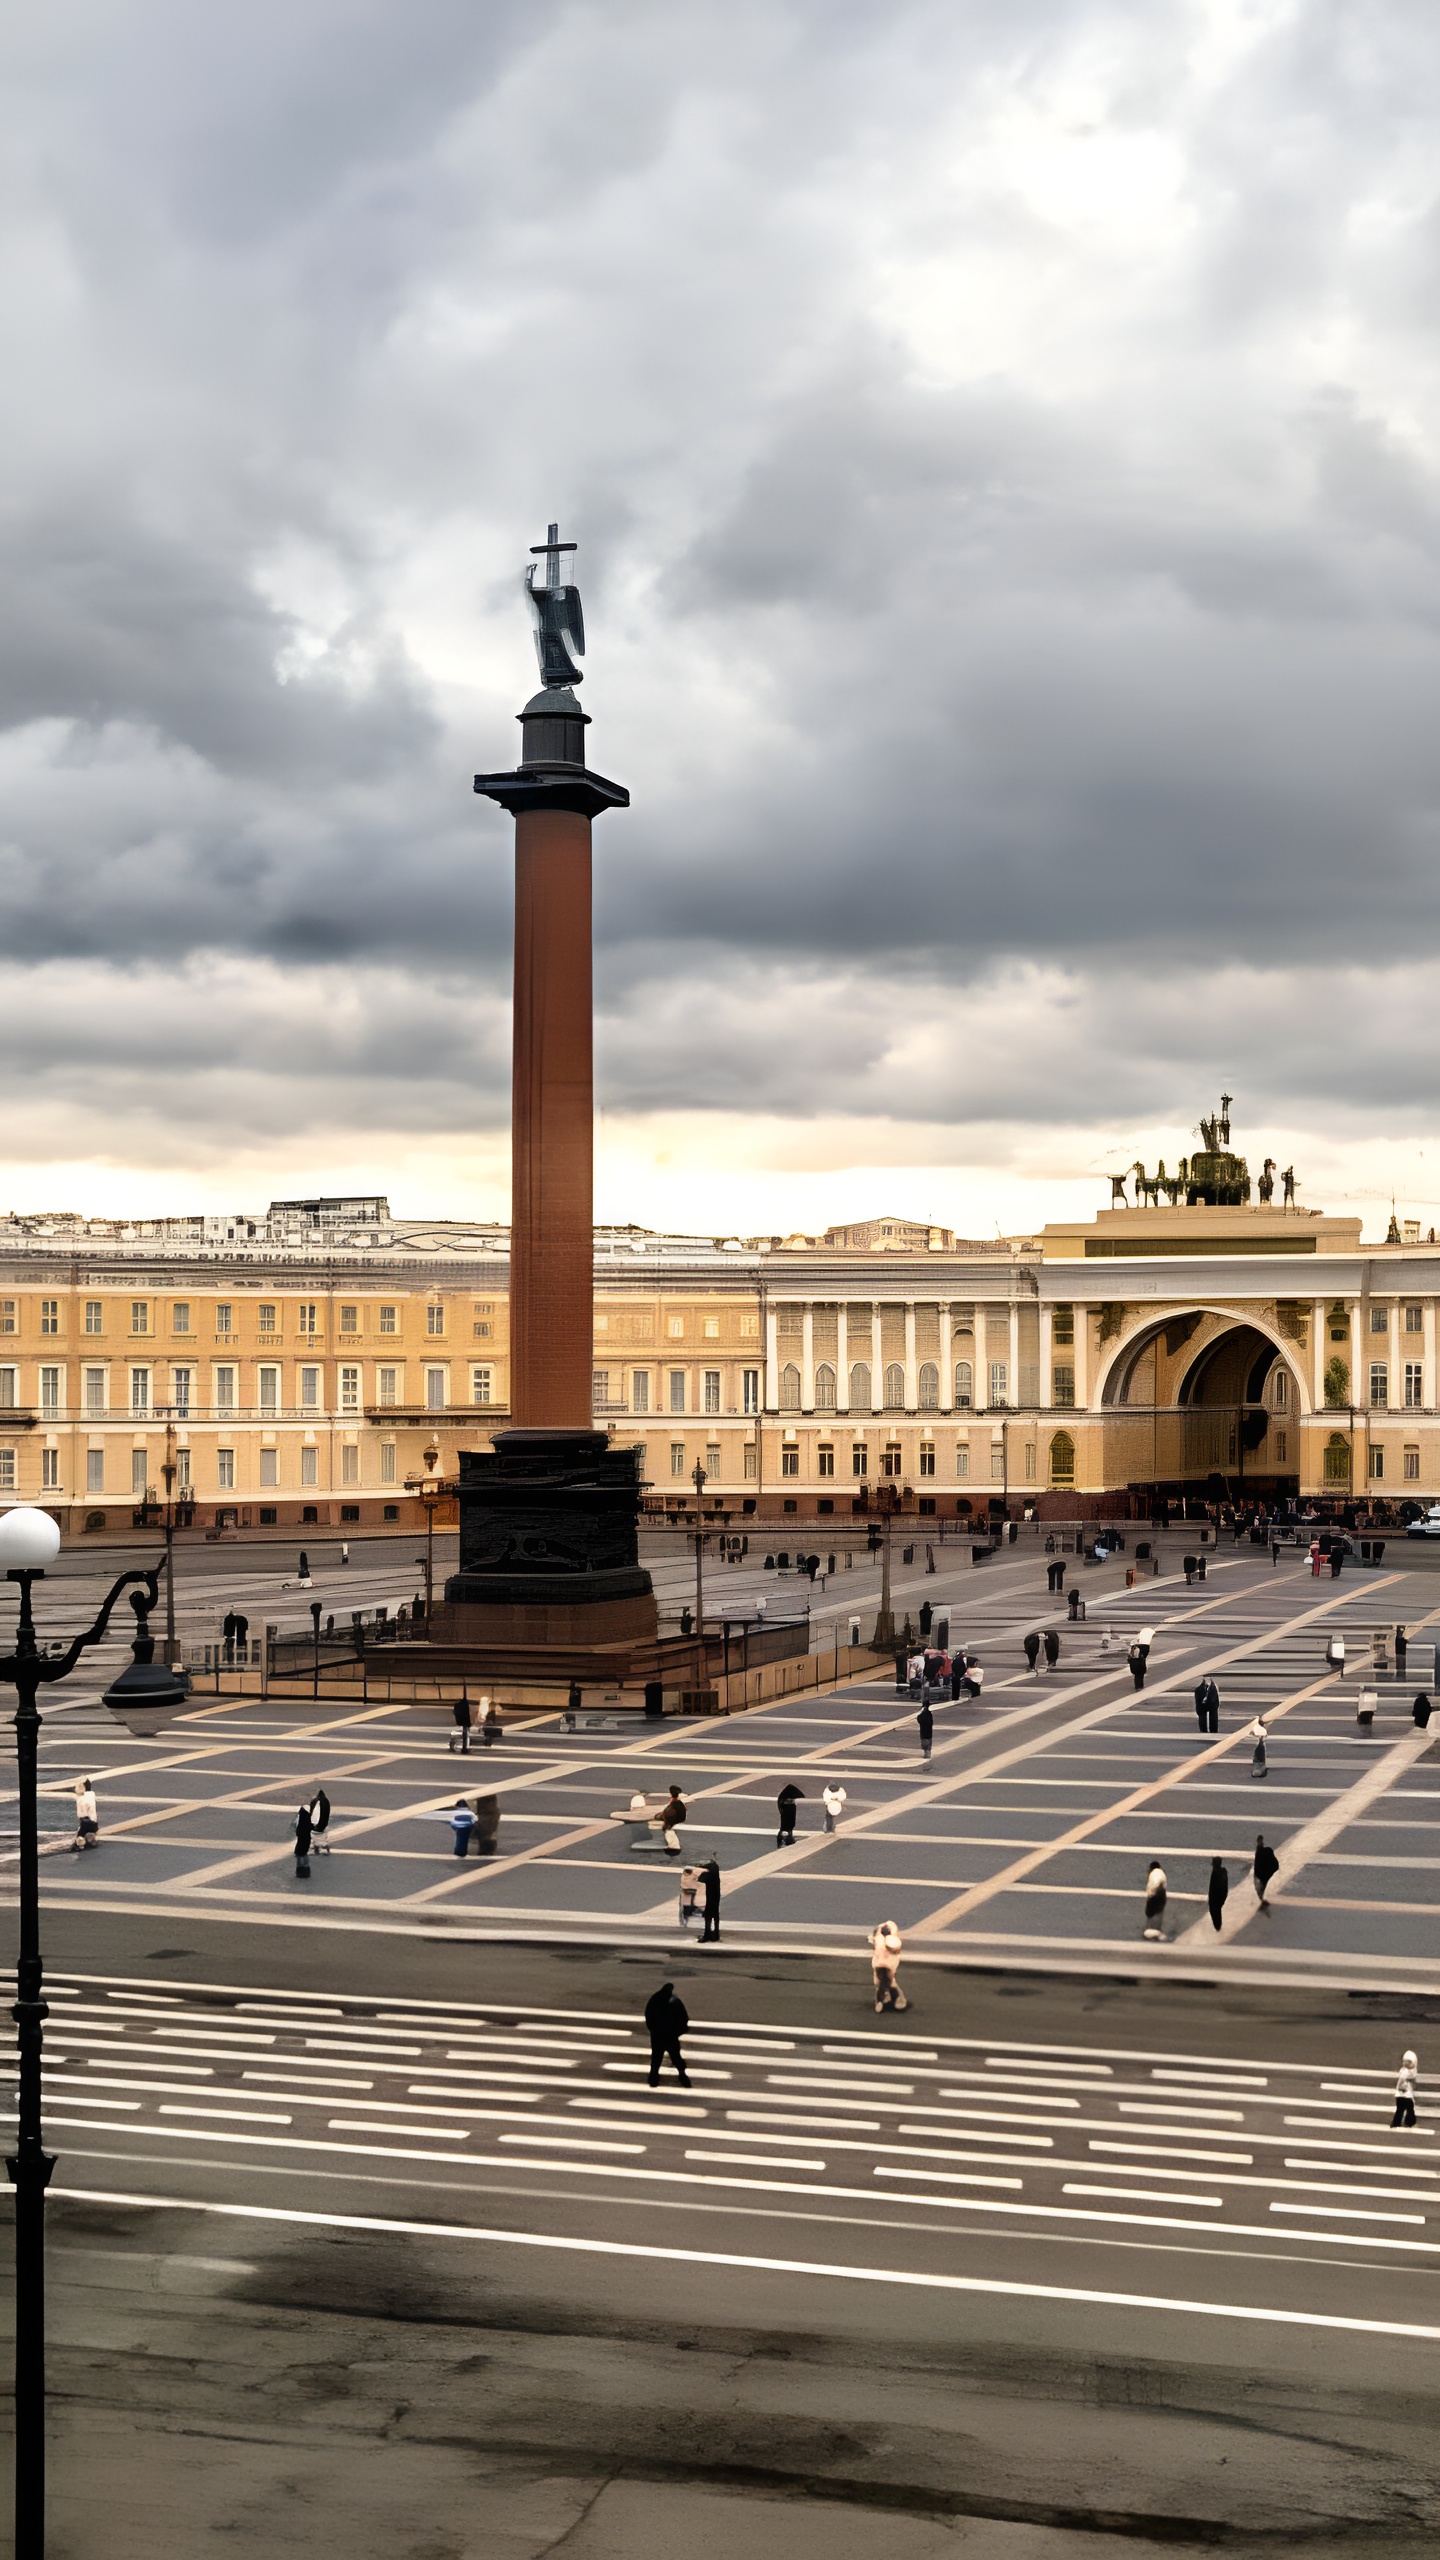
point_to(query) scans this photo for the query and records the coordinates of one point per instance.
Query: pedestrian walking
(1274, 1552)
(1217, 1892)
(1144, 1640)
(974, 1680)
(1189, 1570)
(303, 1572)
(87, 1816)
(319, 1818)
(1420, 1709)
(710, 1891)
(1207, 1706)
(1032, 1649)
(1315, 1558)
(957, 1675)
(1052, 1649)
(1404, 2117)
(833, 1799)
(462, 1823)
(1337, 1558)
(689, 1894)
(344, 1550)
(1257, 1737)
(672, 1818)
(1156, 1895)
(1402, 1648)
(1266, 1867)
(1335, 1654)
(492, 1728)
(1136, 1660)
(886, 1945)
(303, 1831)
(227, 1634)
(667, 2018)
(786, 1802)
(925, 1727)
(462, 1717)
(242, 1635)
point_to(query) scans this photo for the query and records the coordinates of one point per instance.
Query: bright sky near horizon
(1003, 446)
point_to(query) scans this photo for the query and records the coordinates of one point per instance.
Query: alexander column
(548, 1549)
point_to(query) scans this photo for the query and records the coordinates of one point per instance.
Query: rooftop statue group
(1212, 1178)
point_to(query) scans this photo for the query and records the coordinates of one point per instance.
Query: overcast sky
(1002, 439)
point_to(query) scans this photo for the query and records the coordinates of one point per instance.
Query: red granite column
(552, 1125)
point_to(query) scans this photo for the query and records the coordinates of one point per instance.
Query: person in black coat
(319, 1810)
(1218, 1891)
(1052, 1648)
(710, 1886)
(666, 2018)
(461, 1713)
(785, 1804)
(303, 1830)
(925, 1727)
(1136, 1659)
(1032, 1649)
(1266, 1866)
(1207, 1706)
(227, 1633)
(1420, 1711)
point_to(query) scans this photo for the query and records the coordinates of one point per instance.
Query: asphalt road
(1039, 2268)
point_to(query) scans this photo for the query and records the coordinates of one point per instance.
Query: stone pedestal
(549, 1553)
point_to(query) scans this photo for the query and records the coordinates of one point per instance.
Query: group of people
(463, 1717)
(312, 1828)
(956, 1675)
(1265, 1867)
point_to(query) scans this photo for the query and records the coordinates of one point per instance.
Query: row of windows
(307, 1314)
(95, 1389)
(927, 1382)
(1414, 1383)
(103, 1463)
(677, 1390)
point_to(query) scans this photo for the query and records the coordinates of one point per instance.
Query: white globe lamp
(29, 1539)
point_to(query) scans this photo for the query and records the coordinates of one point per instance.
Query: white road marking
(1144, 2195)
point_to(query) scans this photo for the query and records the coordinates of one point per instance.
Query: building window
(712, 1390)
(1062, 1325)
(712, 1328)
(1281, 1445)
(50, 1470)
(1379, 1319)
(307, 1316)
(859, 1459)
(789, 1462)
(180, 1316)
(751, 1385)
(480, 1385)
(1029, 1461)
(1414, 1385)
(1062, 1384)
(677, 1390)
(224, 1319)
(387, 1320)
(94, 1470)
(789, 1388)
(824, 1388)
(180, 1389)
(139, 1390)
(894, 1387)
(927, 1457)
(389, 1386)
(436, 1397)
(268, 1515)
(7, 1315)
(7, 1470)
(224, 1390)
(349, 1390)
(49, 1390)
(387, 1461)
(95, 1390)
(349, 1319)
(1377, 1465)
(825, 1460)
(269, 1390)
(860, 1386)
(892, 1460)
(182, 1470)
(676, 1328)
(8, 1397)
(712, 1457)
(309, 1466)
(139, 1470)
(1282, 1390)
(640, 1391)
(929, 1387)
(49, 1315)
(962, 1458)
(94, 1316)
(1337, 1459)
(1379, 1382)
(997, 1462)
(269, 1466)
(1412, 1465)
(964, 1385)
(267, 1320)
(1414, 1320)
(482, 1328)
(751, 1462)
(434, 1319)
(677, 1457)
(349, 1465)
(599, 1390)
(309, 1387)
(999, 1382)
(225, 1470)
(1062, 1458)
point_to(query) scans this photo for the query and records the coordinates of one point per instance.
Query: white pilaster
(877, 1360)
(1428, 1354)
(771, 1398)
(807, 1358)
(912, 1381)
(842, 1359)
(947, 1359)
(1012, 1383)
(1046, 1351)
(1319, 1351)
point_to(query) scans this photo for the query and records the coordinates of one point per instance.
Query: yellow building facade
(317, 1366)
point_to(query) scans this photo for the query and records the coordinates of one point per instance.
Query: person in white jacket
(87, 1816)
(885, 1948)
(1404, 2115)
(833, 1799)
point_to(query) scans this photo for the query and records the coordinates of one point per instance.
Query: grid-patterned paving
(1031, 1825)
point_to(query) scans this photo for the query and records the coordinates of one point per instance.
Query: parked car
(1428, 1524)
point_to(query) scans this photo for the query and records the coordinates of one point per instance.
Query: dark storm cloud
(1004, 447)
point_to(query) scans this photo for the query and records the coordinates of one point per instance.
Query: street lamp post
(884, 1634)
(29, 1541)
(697, 1478)
(168, 1470)
(430, 1493)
